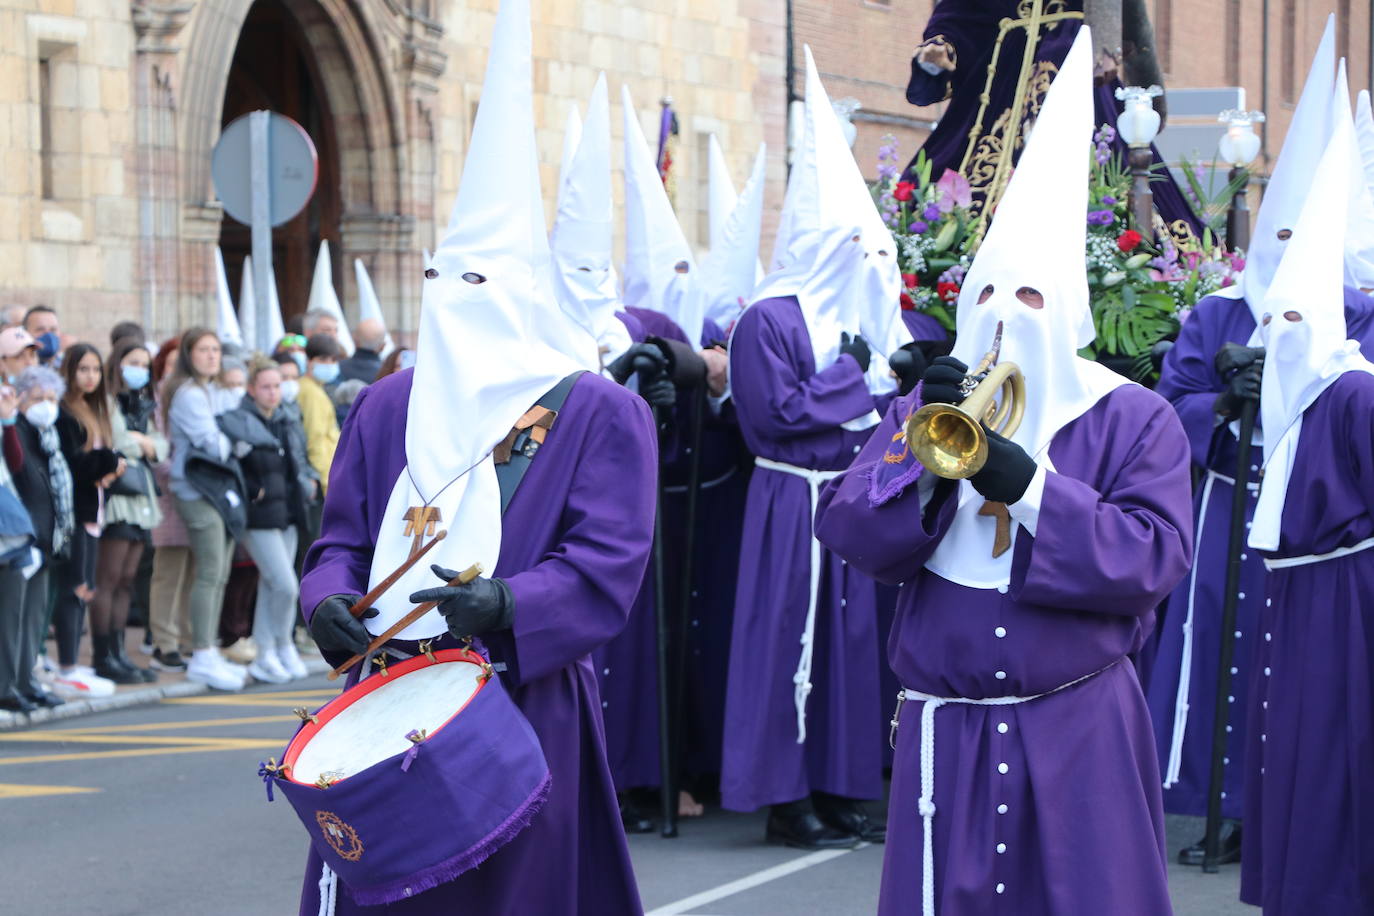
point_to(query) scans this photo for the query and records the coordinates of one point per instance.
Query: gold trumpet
(948, 439)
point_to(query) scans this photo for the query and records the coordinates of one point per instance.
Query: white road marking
(748, 882)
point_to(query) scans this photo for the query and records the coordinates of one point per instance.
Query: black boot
(121, 655)
(1230, 847)
(848, 816)
(796, 824)
(631, 817)
(105, 663)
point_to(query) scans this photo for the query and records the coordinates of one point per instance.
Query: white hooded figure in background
(369, 306)
(731, 270)
(582, 237)
(248, 311)
(228, 325)
(660, 272)
(324, 298)
(1359, 230)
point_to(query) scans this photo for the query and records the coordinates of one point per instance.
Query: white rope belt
(801, 681)
(1285, 562)
(926, 804)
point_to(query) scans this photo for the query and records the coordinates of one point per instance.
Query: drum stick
(463, 578)
(382, 587)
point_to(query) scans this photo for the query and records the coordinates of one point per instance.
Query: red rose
(1128, 241)
(908, 303)
(904, 190)
(911, 281)
(948, 292)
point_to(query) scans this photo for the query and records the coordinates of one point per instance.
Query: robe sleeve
(1120, 550)
(872, 514)
(578, 597)
(1190, 382)
(968, 28)
(771, 396)
(340, 560)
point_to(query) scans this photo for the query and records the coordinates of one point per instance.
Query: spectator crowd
(171, 487)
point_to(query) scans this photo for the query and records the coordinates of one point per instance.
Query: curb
(73, 709)
(143, 696)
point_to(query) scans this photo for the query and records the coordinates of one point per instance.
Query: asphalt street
(158, 811)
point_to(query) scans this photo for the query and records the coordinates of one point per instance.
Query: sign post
(265, 169)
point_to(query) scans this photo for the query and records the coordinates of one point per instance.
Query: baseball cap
(14, 341)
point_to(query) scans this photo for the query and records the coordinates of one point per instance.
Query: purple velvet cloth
(790, 412)
(1190, 381)
(1083, 826)
(573, 559)
(1309, 799)
(922, 326)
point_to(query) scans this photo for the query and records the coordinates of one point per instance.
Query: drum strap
(516, 452)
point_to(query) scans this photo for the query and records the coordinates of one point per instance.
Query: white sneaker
(242, 652)
(266, 668)
(82, 683)
(206, 667)
(291, 660)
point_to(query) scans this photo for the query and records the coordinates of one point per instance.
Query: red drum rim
(326, 713)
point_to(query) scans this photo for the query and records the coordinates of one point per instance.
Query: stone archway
(372, 132)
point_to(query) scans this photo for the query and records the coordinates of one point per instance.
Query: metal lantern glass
(1139, 122)
(1240, 144)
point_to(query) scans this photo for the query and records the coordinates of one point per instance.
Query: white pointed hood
(720, 191)
(486, 319)
(248, 310)
(730, 272)
(1293, 173)
(1359, 232)
(879, 301)
(1364, 133)
(660, 272)
(324, 297)
(369, 306)
(1047, 198)
(824, 261)
(1306, 348)
(228, 327)
(583, 231)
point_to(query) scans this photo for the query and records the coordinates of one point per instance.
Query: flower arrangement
(1141, 288)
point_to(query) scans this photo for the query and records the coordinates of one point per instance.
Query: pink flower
(953, 191)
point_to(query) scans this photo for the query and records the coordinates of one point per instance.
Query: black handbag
(133, 482)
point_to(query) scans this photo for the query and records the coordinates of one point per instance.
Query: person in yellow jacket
(317, 409)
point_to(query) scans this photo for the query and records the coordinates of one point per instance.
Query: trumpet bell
(947, 441)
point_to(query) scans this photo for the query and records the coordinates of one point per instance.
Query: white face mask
(236, 393)
(41, 415)
(290, 388)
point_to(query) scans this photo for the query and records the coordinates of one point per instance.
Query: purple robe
(1051, 805)
(1309, 796)
(792, 413)
(922, 326)
(573, 558)
(627, 667)
(1190, 381)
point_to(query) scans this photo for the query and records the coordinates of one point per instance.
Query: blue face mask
(325, 373)
(134, 376)
(300, 361)
(48, 345)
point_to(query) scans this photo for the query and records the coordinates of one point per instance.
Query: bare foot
(687, 806)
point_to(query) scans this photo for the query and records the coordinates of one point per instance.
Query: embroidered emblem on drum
(341, 838)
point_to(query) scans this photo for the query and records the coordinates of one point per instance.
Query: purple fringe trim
(449, 869)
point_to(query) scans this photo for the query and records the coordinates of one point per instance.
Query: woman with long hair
(191, 399)
(131, 510)
(87, 441)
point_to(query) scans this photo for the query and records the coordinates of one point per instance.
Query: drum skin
(422, 817)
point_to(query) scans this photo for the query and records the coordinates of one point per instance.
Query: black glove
(623, 366)
(1233, 356)
(942, 381)
(480, 607)
(908, 364)
(334, 629)
(659, 393)
(856, 347)
(1007, 473)
(1243, 386)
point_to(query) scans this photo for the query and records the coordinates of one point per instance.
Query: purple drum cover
(421, 818)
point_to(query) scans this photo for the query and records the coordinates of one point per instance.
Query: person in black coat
(369, 337)
(278, 482)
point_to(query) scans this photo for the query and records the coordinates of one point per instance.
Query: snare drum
(410, 778)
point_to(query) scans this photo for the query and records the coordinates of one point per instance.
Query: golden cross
(1001, 543)
(420, 523)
